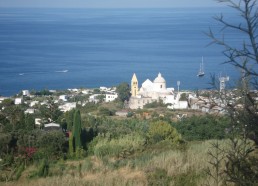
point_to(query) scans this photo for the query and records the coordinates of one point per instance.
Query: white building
(63, 97)
(67, 106)
(29, 111)
(33, 103)
(25, 92)
(94, 98)
(52, 126)
(18, 101)
(111, 97)
(150, 92)
(38, 121)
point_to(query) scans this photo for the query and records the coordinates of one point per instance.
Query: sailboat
(201, 71)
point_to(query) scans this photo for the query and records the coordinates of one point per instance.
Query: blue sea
(73, 48)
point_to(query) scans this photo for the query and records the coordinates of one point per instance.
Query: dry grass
(184, 167)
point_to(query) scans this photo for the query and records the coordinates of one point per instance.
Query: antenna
(223, 81)
(178, 84)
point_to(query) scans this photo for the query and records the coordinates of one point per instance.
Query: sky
(108, 3)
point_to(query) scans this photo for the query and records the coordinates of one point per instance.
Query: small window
(160, 86)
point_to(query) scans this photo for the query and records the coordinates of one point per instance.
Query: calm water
(104, 47)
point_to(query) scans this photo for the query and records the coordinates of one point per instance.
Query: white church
(154, 91)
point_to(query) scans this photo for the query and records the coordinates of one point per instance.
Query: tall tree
(71, 144)
(69, 117)
(123, 91)
(77, 129)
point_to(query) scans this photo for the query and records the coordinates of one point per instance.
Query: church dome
(159, 79)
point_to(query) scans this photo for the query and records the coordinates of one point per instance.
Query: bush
(155, 104)
(122, 146)
(106, 112)
(203, 127)
(161, 130)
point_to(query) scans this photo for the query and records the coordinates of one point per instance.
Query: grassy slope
(158, 164)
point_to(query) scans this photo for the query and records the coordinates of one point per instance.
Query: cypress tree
(71, 146)
(77, 129)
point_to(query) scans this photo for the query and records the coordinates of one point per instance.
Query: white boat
(201, 71)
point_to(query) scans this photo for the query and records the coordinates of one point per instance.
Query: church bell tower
(134, 85)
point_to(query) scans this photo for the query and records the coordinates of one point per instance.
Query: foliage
(106, 112)
(96, 91)
(50, 110)
(51, 144)
(43, 93)
(71, 145)
(69, 119)
(241, 165)
(125, 145)
(5, 140)
(77, 129)
(123, 91)
(183, 97)
(7, 103)
(203, 127)
(154, 104)
(19, 171)
(89, 107)
(43, 169)
(161, 130)
(29, 122)
(158, 177)
(240, 169)
(216, 170)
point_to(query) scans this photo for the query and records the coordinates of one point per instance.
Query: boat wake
(61, 71)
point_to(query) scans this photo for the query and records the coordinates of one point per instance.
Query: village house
(38, 122)
(33, 103)
(67, 106)
(25, 92)
(29, 111)
(111, 97)
(63, 97)
(52, 126)
(18, 101)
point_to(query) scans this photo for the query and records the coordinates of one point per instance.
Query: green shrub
(203, 127)
(154, 104)
(161, 130)
(106, 112)
(43, 169)
(19, 171)
(187, 179)
(122, 146)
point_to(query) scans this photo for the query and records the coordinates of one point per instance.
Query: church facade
(149, 92)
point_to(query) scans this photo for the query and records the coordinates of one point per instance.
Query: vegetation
(239, 158)
(138, 150)
(203, 127)
(123, 91)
